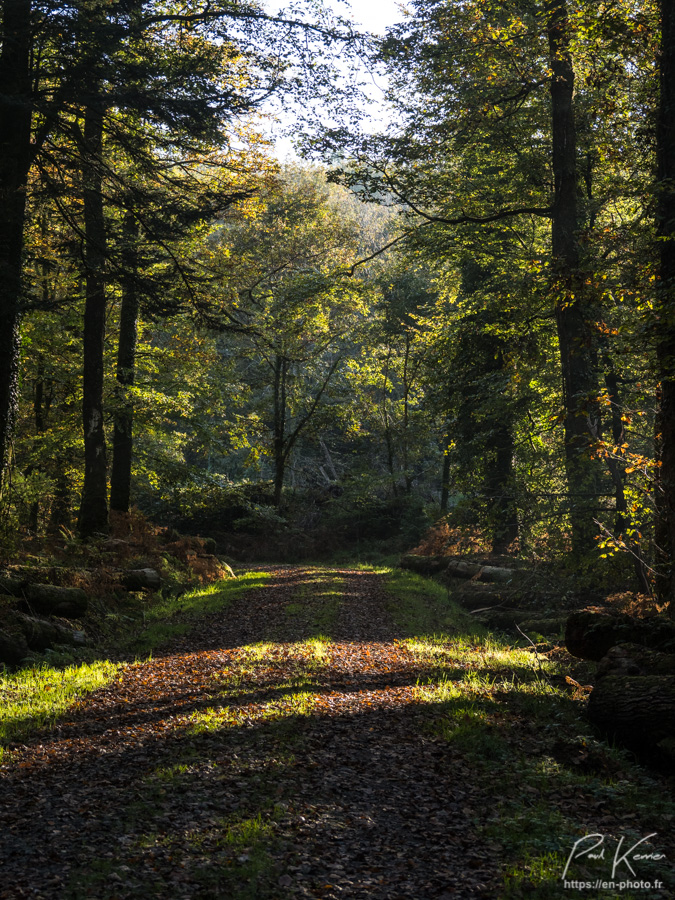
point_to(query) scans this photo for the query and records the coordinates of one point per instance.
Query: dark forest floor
(331, 733)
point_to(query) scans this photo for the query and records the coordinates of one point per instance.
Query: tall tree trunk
(445, 475)
(617, 471)
(15, 160)
(500, 487)
(577, 358)
(666, 300)
(280, 372)
(41, 405)
(120, 478)
(405, 457)
(93, 516)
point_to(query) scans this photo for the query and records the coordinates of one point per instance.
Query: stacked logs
(24, 626)
(633, 700)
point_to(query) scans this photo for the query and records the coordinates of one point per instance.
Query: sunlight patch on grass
(259, 652)
(317, 648)
(300, 703)
(247, 832)
(33, 698)
(170, 773)
(535, 876)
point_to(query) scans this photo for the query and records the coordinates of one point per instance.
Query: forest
(331, 486)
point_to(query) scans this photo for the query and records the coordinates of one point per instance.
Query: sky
(372, 15)
(375, 15)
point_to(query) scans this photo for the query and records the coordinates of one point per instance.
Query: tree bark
(579, 375)
(120, 478)
(445, 474)
(504, 513)
(590, 635)
(499, 481)
(280, 372)
(666, 292)
(15, 161)
(633, 659)
(93, 516)
(637, 710)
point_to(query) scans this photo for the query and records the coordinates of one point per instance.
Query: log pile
(633, 700)
(26, 602)
(590, 634)
(456, 568)
(491, 593)
(22, 634)
(48, 599)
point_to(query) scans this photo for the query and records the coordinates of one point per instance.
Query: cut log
(499, 617)
(637, 710)
(546, 625)
(462, 569)
(589, 635)
(56, 601)
(13, 648)
(474, 600)
(632, 659)
(459, 568)
(48, 599)
(41, 634)
(425, 565)
(12, 586)
(140, 579)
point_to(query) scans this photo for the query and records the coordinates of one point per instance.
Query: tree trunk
(41, 404)
(280, 371)
(60, 516)
(503, 513)
(579, 376)
(666, 299)
(279, 427)
(445, 475)
(93, 517)
(15, 161)
(120, 478)
(388, 440)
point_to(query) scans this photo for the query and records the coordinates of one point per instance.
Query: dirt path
(226, 769)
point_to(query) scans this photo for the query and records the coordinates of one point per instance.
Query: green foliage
(211, 502)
